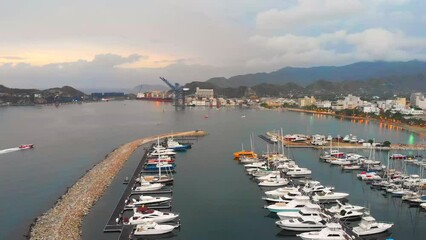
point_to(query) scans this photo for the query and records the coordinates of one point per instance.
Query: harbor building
(206, 93)
(418, 100)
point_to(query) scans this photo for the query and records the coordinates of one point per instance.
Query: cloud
(104, 71)
(12, 58)
(308, 12)
(336, 48)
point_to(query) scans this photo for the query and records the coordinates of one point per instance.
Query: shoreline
(415, 129)
(64, 219)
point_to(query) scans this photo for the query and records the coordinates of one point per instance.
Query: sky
(120, 44)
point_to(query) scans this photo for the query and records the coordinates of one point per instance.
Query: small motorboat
(303, 224)
(332, 231)
(152, 228)
(26, 146)
(423, 205)
(369, 226)
(143, 214)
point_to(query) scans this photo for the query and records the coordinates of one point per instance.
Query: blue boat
(176, 146)
(155, 167)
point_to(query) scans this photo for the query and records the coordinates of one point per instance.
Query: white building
(418, 100)
(207, 93)
(370, 108)
(323, 104)
(351, 102)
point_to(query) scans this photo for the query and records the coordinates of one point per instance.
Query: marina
(207, 169)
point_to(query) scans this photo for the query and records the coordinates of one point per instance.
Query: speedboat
(329, 195)
(280, 192)
(143, 214)
(26, 146)
(274, 182)
(351, 167)
(303, 224)
(152, 228)
(293, 206)
(146, 200)
(348, 207)
(332, 231)
(369, 226)
(308, 210)
(147, 186)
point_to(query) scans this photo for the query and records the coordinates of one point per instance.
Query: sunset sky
(119, 44)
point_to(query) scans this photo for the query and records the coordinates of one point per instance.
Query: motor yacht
(280, 192)
(328, 195)
(146, 186)
(277, 182)
(348, 215)
(147, 200)
(307, 210)
(369, 226)
(303, 224)
(347, 207)
(293, 206)
(332, 231)
(152, 228)
(143, 214)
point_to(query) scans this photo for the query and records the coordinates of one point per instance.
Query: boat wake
(4, 151)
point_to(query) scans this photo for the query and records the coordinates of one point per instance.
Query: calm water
(215, 197)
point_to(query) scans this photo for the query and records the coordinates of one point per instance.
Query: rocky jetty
(63, 221)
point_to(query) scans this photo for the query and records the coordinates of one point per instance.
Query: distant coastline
(416, 129)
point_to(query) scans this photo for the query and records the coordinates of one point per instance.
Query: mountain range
(362, 78)
(306, 76)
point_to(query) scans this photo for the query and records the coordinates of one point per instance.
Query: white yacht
(303, 224)
(152, 228)
(332, 231)
(307, 210)
(280, 192)
(349, 214)
(293, 206)
(369, 226)
(274, 182)
(143, 214)
(271, 176)
(145, 200)
(298, 172)
(146, 186)
(329, 195)
(423, 205)
(347, 207)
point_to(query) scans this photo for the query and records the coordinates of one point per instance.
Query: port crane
(179, 92)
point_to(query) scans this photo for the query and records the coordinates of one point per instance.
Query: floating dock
(347, 145)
